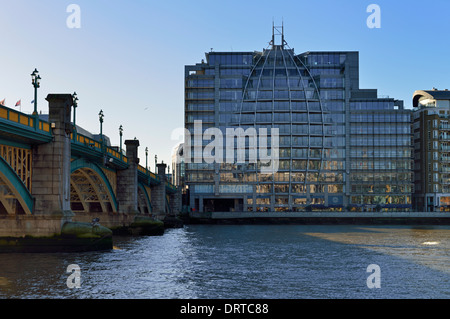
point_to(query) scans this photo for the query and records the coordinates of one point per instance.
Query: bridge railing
(96, 145)
(115, 154)
(147, 172)
(24, 119)
(171, 187)
(155, 178)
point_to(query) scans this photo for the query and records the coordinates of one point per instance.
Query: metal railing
(26, 120)
(148, 172)
(96, 145)
(155, 177)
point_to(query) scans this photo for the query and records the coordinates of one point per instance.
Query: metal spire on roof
(278, 31)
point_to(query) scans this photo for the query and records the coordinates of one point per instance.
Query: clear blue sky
(128, 57)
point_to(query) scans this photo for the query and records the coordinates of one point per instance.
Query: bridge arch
(168, 210)
(15, 198)
(144, 202)
(90, 188)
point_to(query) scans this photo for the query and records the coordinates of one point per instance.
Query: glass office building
(339, 147)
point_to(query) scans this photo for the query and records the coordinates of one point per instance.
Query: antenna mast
(278, 31)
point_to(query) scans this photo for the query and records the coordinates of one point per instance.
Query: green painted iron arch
(16, 187)
(147, 198)
(168, 210)
(81, 163)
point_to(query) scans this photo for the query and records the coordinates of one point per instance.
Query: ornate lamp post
(100, 117)
(120, 134)
(146, 160)
(36, 81)
(75, 105)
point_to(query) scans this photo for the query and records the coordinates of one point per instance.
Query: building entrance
(222, 204)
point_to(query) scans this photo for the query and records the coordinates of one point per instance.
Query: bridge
(55, 178)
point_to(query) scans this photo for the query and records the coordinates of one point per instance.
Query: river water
(245, 261)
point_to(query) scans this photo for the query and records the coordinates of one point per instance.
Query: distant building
(178, 166)
(431, 127)
(340, 147)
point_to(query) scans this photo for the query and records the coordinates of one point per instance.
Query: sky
(127, 58)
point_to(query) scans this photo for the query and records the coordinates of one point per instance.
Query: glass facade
(381, 153)
(338, 147)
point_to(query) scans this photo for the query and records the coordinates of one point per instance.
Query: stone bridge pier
(127, 180)
(51, 170)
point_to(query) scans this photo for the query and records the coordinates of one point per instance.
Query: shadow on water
(245, 261)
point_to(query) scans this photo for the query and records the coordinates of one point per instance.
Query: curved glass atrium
(335, 148)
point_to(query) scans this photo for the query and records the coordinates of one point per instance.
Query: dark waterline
(245, 261)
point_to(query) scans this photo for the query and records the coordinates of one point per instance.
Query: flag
(2, 102)
(18, 103)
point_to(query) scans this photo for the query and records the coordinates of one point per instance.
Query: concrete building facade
(431, 127)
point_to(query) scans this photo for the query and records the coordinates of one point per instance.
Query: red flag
(18, 103)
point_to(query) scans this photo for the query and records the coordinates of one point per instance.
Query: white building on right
(178, 165)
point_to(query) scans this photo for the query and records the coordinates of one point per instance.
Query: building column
(127, 180)
(51, 162)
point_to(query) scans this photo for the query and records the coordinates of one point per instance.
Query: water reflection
(428, 246)
(279, 261)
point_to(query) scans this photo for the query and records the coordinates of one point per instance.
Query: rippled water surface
(254, 261)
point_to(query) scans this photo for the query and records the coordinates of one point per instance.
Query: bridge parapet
(22, 125)
(147, 176)
(89, 148)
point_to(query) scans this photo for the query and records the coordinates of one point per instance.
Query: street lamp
(75, 104)
(100, 117)
(146, 159)
(120, 134)
(36, 81)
